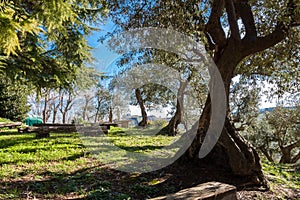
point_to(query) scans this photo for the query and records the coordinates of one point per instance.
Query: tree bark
(140, 101)
(48, 102)
(286, 152)
(172, 128)
(110, 116)
(65, 105)
(87, 100)
(286, 155)
(231, 151)
(296, 158)
(45, 108)
(266, 153)
(55, 109)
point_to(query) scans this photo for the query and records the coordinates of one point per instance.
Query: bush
(13, 99)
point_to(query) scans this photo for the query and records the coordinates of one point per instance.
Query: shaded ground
(100, 182)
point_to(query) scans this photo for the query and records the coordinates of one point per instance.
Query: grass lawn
(60, 167)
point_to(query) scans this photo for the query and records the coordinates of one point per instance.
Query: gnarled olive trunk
(172, 128)
(140, 101)
(266, 153)
(286, 152)
(232, 151)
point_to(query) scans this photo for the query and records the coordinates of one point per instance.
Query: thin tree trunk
(55, 109)
(266, 153)
(85, 107)
(110, 116)
(96, 116)
(45, 108)
(142, 106)
(65, 108)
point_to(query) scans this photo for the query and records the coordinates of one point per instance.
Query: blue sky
(102, 53)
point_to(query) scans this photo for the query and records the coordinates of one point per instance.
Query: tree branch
(234, 28)
(293, 145)
(244, 11)
(263, 43)
(214, 28)
(280, 32)
(266, 153)
(296, 158)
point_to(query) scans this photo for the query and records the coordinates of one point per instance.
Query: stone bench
(204, 191)
(44, 131)
(10, 125)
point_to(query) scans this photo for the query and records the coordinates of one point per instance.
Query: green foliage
(13, 99)
(45, 42)
(4, 120)
(277, 132)
(158, 123)
(244, 101)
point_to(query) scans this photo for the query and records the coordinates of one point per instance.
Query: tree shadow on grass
(102, 182)
(13, 133)
(141, 148)
(14, 141)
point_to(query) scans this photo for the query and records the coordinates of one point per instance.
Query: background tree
(277, 133)
(102, 104)
(138, 87)
(244, 101)
(48, 97)
(151, 95)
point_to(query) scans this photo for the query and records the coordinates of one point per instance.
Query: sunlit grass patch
(23, 154)
(283, 174)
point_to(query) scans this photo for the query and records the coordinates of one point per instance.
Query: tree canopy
(45, 42)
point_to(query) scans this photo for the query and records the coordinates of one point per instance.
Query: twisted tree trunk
(172, 128)
(232, 151)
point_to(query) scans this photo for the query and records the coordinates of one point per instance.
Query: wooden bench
(205, 191)
(10, 125)
(43, 131)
